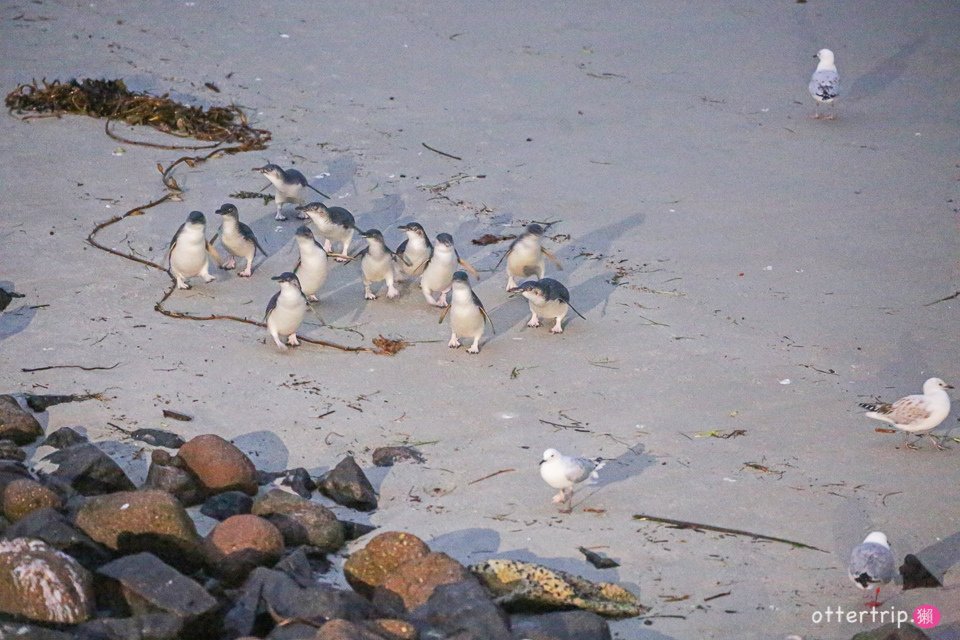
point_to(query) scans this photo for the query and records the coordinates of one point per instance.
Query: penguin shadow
(14, 319)
(265, 449)
(340, 173)
(886, 72)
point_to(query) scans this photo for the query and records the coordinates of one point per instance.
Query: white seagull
(872, 563)
(825, 84)
(916, 414)
(564, 472)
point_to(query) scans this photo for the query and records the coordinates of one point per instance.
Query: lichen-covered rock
(392, 628)
(134, 521)
(219, 465)
(524, 585)
(299, 520)
(240, 543)
(10, 451)
(346, 484)
(369, 567)
(43, 584)
(20, 497)
(411, 584)
(52, 527)
(389, 456)
(16, 423)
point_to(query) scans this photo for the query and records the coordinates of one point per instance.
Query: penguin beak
(515, 290)
(277, 278)
(948, 386)
(541, 462)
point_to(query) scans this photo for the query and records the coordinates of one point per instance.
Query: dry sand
(720, 243)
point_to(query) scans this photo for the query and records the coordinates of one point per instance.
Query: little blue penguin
(547, 298)
(438, 274)
(289, 183)
(467, 315)
(525, 256)
(239, 240)
(333, 224)
(417, 249)
(376, 263)
(285, 310)
(187, 253)
(311, 268)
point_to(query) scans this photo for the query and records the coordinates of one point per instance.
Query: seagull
(872, 562)
(916, 414)
(825, 84)
(564, 472)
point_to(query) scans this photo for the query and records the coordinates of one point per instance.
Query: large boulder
(240, 543)
(560, 625)
(167, 473)
(20, 497)
(412, 583)
(462, 610)
(219, 465)
(369, 567)
(16, 423)
(133, 521)
(43, 584)
(300, 521)
(226, 504)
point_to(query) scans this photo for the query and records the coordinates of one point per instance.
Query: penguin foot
(302, 216)
(369, 295)
(454, 343)
(475, 349)
(392, 292)
(533, 323)
(280, 216)
(557, 328)
(292, 340)
(557, 499)
(182, 285)
(245, 273)
(229, 264)
(313, 298)
(342, 258)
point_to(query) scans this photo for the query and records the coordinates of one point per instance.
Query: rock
(153, 626)
(88, 470)
(297, 565)
(268, 588)
(915, 575)
(354, 530)
(344, 630)
(345, 484)
(53, 528)
(240, 543)
(134, 521)
(463, 610)
(165, 475)
(267, 477)
(64, 437)
(389, 456)
(369, 567)
(560, 625)
(293, 631)
(24, 630)
(299, 520)
(17, 424)
(149, 585)
(41, 583)
(20, 497)
(219, 465)
(411, 584)
(892, 632)
(226, 504)
(158, 438)
(393, 629)
(10, 451)
(11, 470)
(300, 481)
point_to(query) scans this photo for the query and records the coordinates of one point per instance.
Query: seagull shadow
(13, 321)
(467, 543)
(886, 72)
(265, 449)
(628, 464)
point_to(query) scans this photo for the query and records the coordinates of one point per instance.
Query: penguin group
(436, 264)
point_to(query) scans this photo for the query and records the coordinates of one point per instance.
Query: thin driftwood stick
(443, 153)
(70, 366)
(491, 475)
(683, 524)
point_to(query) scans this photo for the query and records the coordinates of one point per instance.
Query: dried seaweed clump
(386, 346)
(111, 99)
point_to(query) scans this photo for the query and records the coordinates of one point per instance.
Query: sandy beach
(741, 266)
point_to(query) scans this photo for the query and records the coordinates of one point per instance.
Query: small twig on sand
(683, 524)
(69, 366)
(443, 153)
(486, 477)
(950, 297)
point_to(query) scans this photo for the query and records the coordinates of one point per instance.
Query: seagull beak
(948, 386)
(541, 462)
